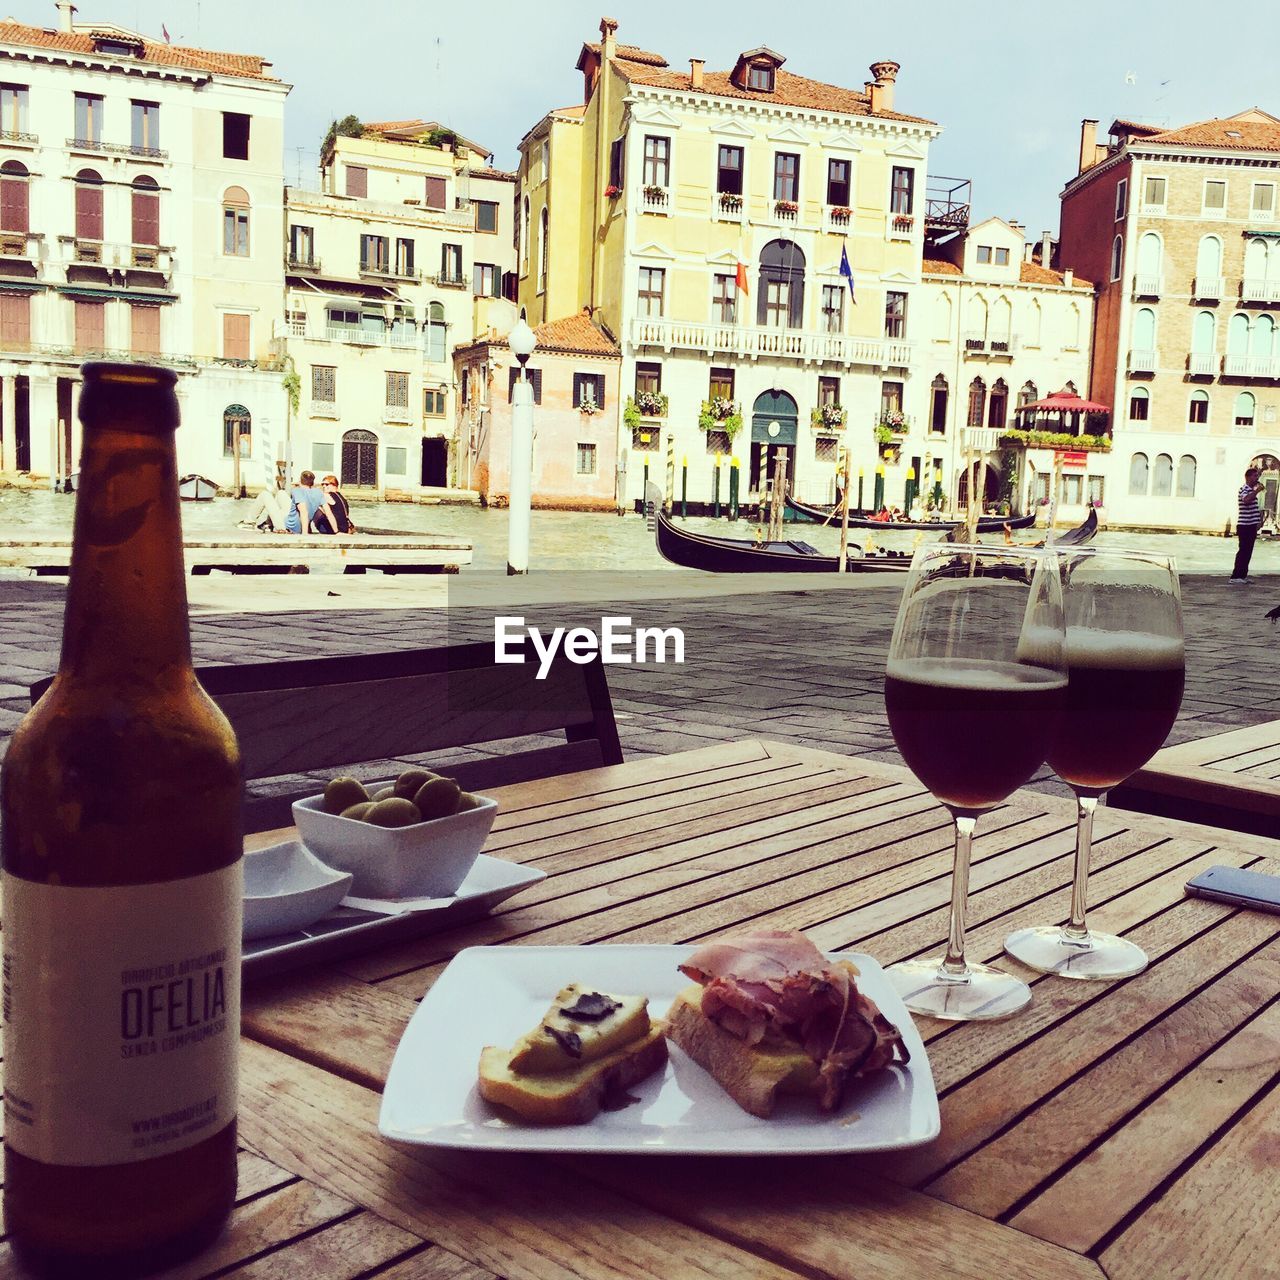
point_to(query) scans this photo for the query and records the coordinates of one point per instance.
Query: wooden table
(1231, 779)
(1125, 1129)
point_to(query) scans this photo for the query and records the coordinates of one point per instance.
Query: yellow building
(702, 216)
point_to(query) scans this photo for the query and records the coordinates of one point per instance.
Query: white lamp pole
(522, 343)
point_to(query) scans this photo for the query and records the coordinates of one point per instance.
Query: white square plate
(493, 995)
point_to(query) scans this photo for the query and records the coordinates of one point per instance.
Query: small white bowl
(426, 860)
(287, 888)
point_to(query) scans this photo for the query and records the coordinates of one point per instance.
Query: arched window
(1162, 476)
(1001, 323)
(938, 392)
(1117, 257)
(1139, 404)
(15, 196)
(237, 426)
(975, 324)
(1255, 259)
(1246, 406)
(359, 464)
(235, 222)
(435, 333)
(977, 401)
(1186, 476)
(1027, 394)
(524, 237)
(542, 249)
(1072, 331)
(1238, 334)
(1263, 336)
(145, 197)
(1144, 329)
(1035, 323)
(1204, 333)
(780, 303)
(1198, 407)
(1138, 468)
(942, 316)
(88, 205)
(998, 405)
(1208, 266)
(1150, 255)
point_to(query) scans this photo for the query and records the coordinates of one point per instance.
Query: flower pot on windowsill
(786, 208)
(730, 203)
(829, 417)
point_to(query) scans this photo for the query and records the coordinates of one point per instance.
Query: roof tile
(1226, 135)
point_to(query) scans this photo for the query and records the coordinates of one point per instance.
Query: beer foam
(973, 673)
(1040, 646)
(1123, 650)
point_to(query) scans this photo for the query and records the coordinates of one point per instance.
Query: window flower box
(587, 405)
(1055, 440)
(839, 215)
(644, 404)
(828, 416)
(730, 202)
(720, 414)
(655, 194)
(786, 208)
(892, 426)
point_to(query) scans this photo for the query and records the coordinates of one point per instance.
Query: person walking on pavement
(1248, 522)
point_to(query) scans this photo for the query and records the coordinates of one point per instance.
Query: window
(1162, 476)
(324, 383)
(1097, 490)
(826, 449)
(451, 263)
(1198, 408)
(1186, 476)
(144, 329)
(436, 192)
(1122, 198)
(1208, 265)
(890, 398)
(235, 336)
(88, 205)
(1215, 197)
(1150, 262)
(838, 183)
(235, 135)
(588, 388)
(543, 249)
(342, 317)
(586, 464)
(724, 299)
(760, 77)
(652, 284)
(1028, 394)
(236, 431)
(1072, 490)
(833, 308)
(321, 456)
(984, 255)
(1002, 257)
(535, 381)
(902, 188)
(1153, 193)
(15, 197)
(776, 301)
(729, 171)
(88, 119)
(13, 108)
(719, 443)
(828, 391)
(1138, 470)
(1245, 406)
(374, 254)
(657, 161)
(1117, 257)
(617, 164)
(524, 237)
(433, 402)
(436, 331)
(404, 257)
(648, 377)
(977, 402)
(235, 222)
(15, 321)
(720, 385)
(397, 460)
(780, 298)
(895, 314)
(144, 126)
(356, 179)
(302, 245)
(145, 209)
(486, 215)
(397, 390)
(487, 281)
(1262, 203)
(998, 405)
(786, 176)
(938, 405)
(1139, 404)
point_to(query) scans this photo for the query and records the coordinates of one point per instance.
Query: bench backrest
(325, 714)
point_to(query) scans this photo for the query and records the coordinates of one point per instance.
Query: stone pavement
(800, 665)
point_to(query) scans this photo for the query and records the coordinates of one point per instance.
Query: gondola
(1077, 537)
(806, 513)
(194, 488)
(737, 555)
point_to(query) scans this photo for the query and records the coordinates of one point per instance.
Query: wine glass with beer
(973, 686)
(1125, 672)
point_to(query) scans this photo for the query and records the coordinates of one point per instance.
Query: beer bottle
(122, 883)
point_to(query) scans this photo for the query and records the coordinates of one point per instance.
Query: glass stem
(1076, 929)
(953, 965)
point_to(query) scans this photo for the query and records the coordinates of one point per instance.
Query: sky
(1009, 80)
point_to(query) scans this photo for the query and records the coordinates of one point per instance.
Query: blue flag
(846, 270)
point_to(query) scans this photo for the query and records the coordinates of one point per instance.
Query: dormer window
(118, 46)
(756, 70)
(760, 77)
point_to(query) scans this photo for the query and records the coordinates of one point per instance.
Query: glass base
(1097, 957)
(980, 994)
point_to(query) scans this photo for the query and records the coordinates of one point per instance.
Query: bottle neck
(126, 615)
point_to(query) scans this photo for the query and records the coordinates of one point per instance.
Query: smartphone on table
(1238, 887)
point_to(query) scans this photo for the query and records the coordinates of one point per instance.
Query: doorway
(774, 422)
(22, 421)
(435, 462)
(1269, 498)
(359, 458)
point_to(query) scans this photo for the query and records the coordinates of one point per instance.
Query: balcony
(1260, 290)
(899, 226)
(755, 343)
(1208, 288)
(15, 137)
(837, 220)
(447, 280)
(307, 262)
(1267, 367)
(406, 339)
(654, 199)
(786, 212)
(147, 257)
(727, 207)
(137, 152)
(324, 408)
(1148, 286)
(95, 145)
(384, 271)
(396, 413)
(20, 244)
(981, 344)
(1142, 362)
(1202, 364)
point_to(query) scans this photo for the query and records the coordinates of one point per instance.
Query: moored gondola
(806, 513)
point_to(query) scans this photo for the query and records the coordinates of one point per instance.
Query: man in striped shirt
(1248, 521)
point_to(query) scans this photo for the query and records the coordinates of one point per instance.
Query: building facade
(1179, 229)
(141, 217)
(403, 254)
(701, 218)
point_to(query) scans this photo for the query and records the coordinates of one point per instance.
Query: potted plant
(720, 414)
(840, 214)
(829, 415)
(644, 404)
(730, 202)
(587, 405)
(612, 191)
(655, 194)
(786, 208)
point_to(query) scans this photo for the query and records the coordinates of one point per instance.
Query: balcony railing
(16, 135)
(396, 413)
(768, 343)
(127, 257)
(1148, 286)
(324, 408)
(128, 149)
(86, 144)
(446, 280)
(1251, 367)
(1260, 290)
(308, 262)
(1208, 288)
(406, 339)
(1142, 362)
(981, 344)
(20, 244)
(1202, 364)
(654, 199)
(837, 220)
(383, 271)
(727, 207)
(899, 226)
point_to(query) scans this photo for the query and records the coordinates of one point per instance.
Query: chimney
(884, 74)
(1029, 251)
(1046, 248)
(1068, 277)
(66, 12)
(608, 39)
(695, 72)
(1088, 144)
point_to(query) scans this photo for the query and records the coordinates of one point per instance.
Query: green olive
(411, 780)
(395, 812)
(358, 812)
(342, 793)
(437, 798)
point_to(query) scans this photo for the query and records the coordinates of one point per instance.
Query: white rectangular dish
(492, 995)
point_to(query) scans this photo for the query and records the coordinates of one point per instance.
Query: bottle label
(121, 1016)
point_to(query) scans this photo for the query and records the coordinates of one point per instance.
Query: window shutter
(797, 301)
(145, 324)
(15, 320)
(357, 181)
(235, 336)
(435, 193)
(146, 219)
(599, 390)
(90, 329)
(13, 205)
(512, 374)
(88, 212)
(762, 300)
(535, 376)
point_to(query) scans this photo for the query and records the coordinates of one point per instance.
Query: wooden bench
(328, 714)
(1229, 780)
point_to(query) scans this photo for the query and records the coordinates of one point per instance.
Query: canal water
(567, 540)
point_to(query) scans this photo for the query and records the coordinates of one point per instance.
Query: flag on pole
(741, 277)
(846, 270)
(164, 31)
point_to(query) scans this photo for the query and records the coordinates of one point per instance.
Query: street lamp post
(522, 343)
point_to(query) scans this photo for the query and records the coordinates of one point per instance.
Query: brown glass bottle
(120, 797)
